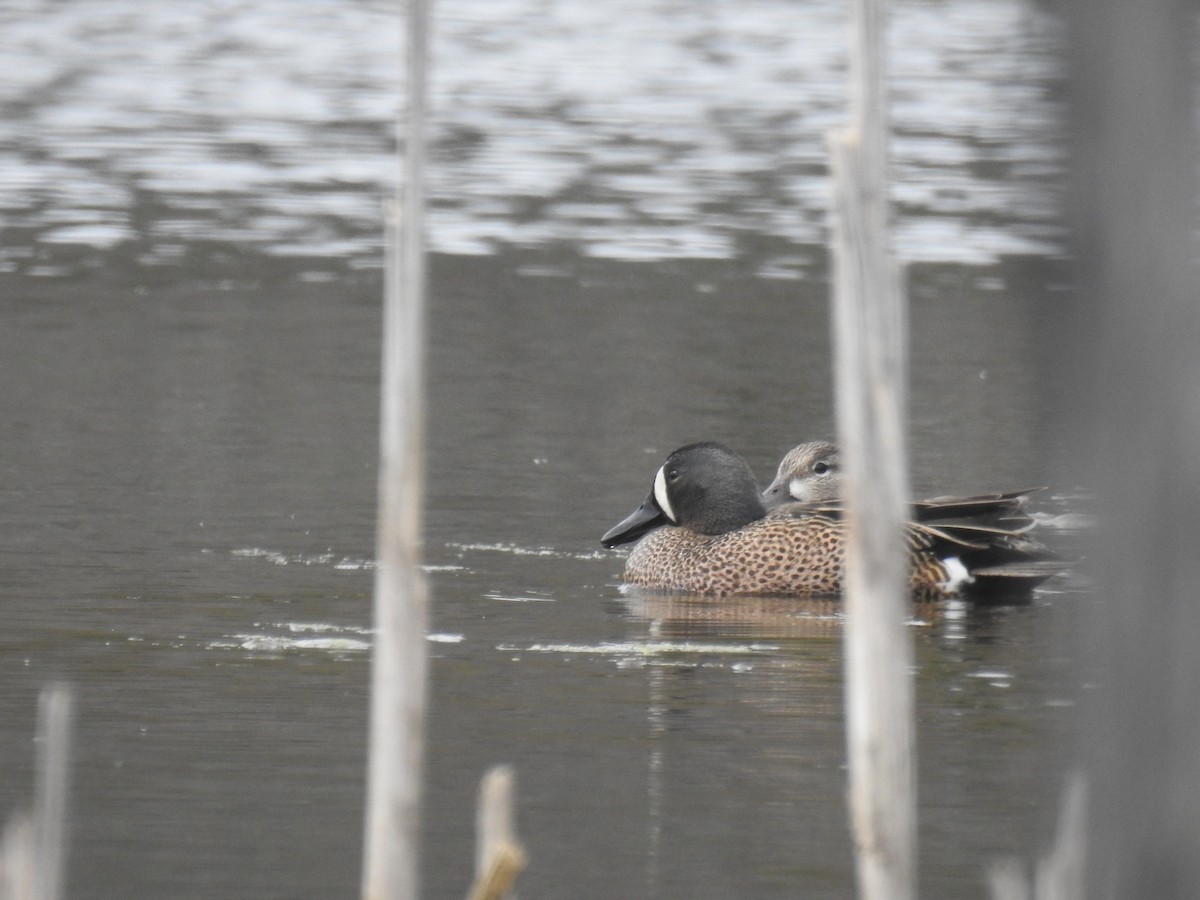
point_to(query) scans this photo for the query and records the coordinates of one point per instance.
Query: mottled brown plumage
(1001, 558)
(790, 551)
(708, 532)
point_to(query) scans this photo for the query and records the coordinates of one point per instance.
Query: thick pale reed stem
(870, 335)
(398, 662)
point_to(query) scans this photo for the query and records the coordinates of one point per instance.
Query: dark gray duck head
(705, 487)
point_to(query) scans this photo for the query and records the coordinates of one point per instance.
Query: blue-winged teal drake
(705, 529)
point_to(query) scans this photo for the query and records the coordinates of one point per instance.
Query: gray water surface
(628, 224)
(635, 131)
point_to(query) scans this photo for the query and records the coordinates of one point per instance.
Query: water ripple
(630, 130)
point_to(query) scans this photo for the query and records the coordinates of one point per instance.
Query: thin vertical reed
(499, 857)
(870, 332)
(398, 662)
(18, 870)
(33, 851)
(1062, 873)
(50, 794)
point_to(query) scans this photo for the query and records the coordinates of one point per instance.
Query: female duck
(807, 473)
(812, 473)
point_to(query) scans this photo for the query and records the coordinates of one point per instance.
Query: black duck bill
(641, 521)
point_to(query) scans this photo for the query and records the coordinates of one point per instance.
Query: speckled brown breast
(775, 555)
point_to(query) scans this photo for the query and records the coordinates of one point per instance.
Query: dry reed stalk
(398, 660)
(870, 333)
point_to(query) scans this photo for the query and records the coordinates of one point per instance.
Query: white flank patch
(660, 495)
(956, 574)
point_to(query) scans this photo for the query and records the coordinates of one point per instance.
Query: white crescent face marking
(660, 495)
(796, 488)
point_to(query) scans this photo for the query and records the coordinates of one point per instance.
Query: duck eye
(672, 475)
(821, 468)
